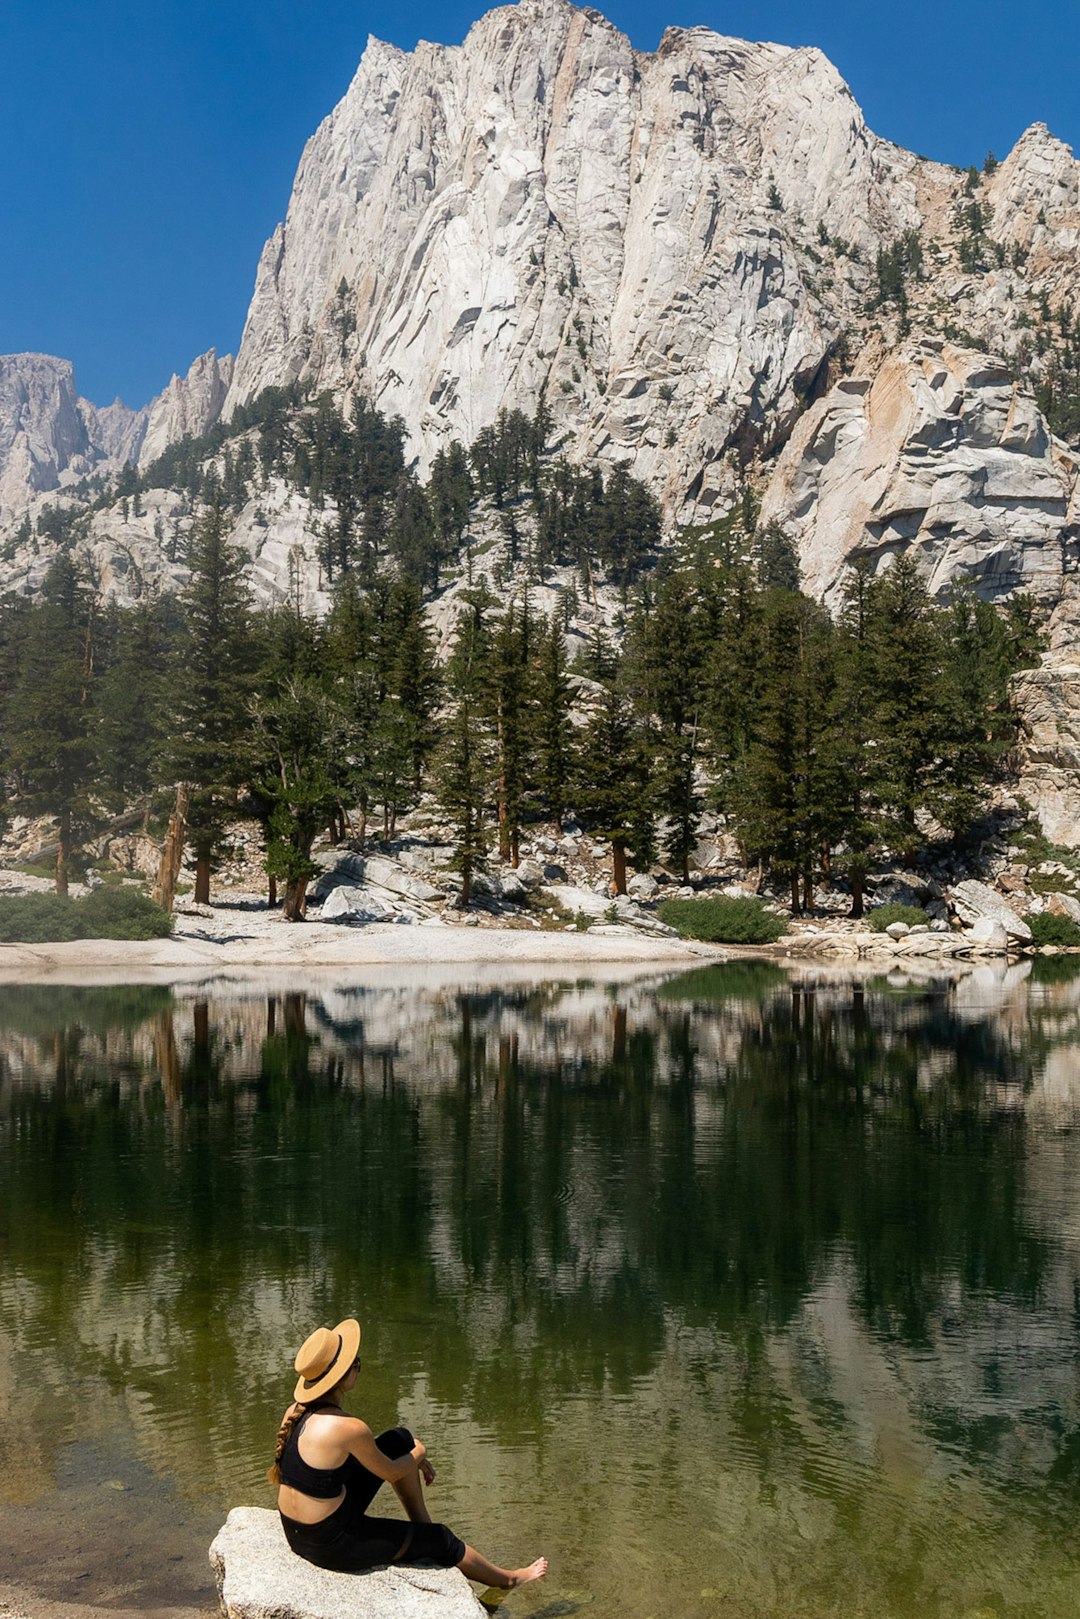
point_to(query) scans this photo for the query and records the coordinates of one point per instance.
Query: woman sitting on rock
(328, 1467)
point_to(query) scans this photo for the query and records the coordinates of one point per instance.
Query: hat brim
(349, 1332)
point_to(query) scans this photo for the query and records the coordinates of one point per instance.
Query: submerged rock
(260, 1577)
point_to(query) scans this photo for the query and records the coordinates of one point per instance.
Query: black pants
(349, 1541)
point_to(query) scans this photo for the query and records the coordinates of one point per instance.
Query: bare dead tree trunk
(163, 892)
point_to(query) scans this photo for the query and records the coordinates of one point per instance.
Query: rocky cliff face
(939, 453)
(50, 437)
(188, 407)
(544, 208)
(671, 244)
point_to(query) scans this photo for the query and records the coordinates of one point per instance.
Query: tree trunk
(63, 852)
(163, 892)
(295, 906)
(202, 877)
(466, 885)
(167, 1058)
(271, 891)
(856, 895)
(618, 868)
(808, 893)
(515, 849)
(504, 820)
(795, 908)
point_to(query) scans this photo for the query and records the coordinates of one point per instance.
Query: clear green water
(733, 1298)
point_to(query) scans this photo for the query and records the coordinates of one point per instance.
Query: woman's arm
(362, 1445)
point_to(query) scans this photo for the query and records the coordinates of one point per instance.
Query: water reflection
(766, 1284)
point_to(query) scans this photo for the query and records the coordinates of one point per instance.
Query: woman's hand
(427, 1472)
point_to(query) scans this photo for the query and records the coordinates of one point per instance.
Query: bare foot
(535, 1571)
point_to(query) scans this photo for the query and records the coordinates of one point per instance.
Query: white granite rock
(975, 902)
(49, 437)
(642, 886)
(188, 407)
(542, 206)
(988, 933)
(940, 455)
(354, 905)
(260, 1577)
(1063, 905)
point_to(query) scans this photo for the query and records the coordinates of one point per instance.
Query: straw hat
(325, 1358)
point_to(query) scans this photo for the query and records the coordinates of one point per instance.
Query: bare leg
(475, 1567)
(410, 1492)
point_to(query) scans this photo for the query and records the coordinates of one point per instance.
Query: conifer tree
(509, 696)
(210, 712)
(464, 764)
(859, 824)
(908, 655)
(553, 729)
(613, 791)
(786, 788)
(135, 665)
(667, 654)
(49, 711)
(299, 731)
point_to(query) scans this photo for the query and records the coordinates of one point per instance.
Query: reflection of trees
(525, 1203)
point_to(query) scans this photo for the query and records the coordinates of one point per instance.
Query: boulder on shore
(260, 1577)
(973, 901)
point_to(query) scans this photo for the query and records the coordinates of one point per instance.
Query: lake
(734, 1293)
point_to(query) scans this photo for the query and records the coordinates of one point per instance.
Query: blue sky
(149, 145)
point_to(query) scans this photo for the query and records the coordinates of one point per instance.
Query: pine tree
(49, 712)
(908, 654)
(859, 823)
(464, 764)
(613, 793)
(134, 665)
(509, 696)
(666, 665)
(299, 732)
(786, 787)
(553, 729)
(210, 711)
(461, 786)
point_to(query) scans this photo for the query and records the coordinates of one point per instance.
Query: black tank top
(324, 1483)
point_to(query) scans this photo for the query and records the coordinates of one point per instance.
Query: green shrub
(37, 919)
(1049, 929)
(722, 921)
(883, 916)
(105, 913)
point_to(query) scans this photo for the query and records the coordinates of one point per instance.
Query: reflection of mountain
(811, 1229)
